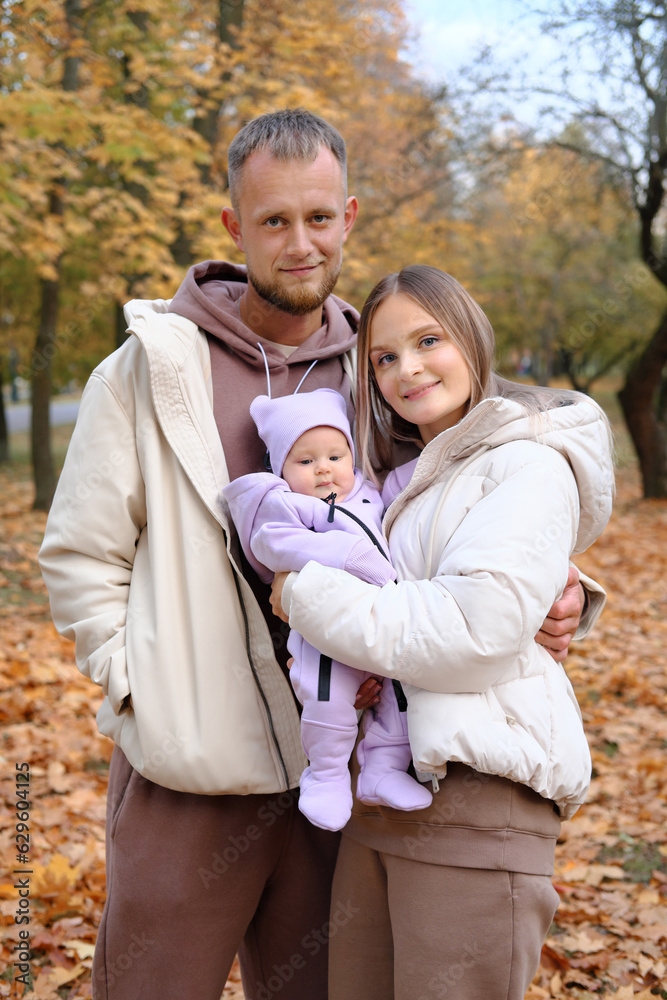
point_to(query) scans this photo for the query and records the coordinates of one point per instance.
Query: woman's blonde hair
(443, 298)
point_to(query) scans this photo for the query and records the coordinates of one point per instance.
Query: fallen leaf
(83, 949)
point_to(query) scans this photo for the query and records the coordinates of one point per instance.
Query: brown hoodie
(209, 297)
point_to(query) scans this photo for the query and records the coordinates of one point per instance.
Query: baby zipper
(331, 499)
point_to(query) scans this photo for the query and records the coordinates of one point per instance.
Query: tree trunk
(44, 349)
(543, 362)
(230, 22)
(42, 355)
(139, 97)
(4, 436)
(566, 358)
(638, 402)
(121, 326)
(662, 400)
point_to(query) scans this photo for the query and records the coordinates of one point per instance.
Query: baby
(316, 506)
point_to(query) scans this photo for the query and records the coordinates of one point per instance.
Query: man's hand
(369, 693)
(562, 622)
(276, 595)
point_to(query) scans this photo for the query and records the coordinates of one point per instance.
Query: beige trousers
(420, 931)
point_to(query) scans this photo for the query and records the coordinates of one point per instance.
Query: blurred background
(523, 150)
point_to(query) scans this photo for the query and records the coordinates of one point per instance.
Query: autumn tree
(55, 152)
(40, 430)
(69, 150)
(344, 61)
(555, 263)
(4, 435)
(115, 119)
(624, 115)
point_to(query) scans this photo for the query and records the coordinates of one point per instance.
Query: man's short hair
(289, 134)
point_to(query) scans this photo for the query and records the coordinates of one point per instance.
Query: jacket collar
(578, 431)
(176, 368)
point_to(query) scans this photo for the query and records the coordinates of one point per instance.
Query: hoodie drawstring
(268, 376)
(266, 369)
(305, 377)
(266, 461)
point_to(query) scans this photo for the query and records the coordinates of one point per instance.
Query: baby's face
(320, 463)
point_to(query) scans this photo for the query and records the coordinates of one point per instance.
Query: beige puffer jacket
(481, 539)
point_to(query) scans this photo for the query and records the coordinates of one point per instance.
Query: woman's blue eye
(428, 341)
(386, 357)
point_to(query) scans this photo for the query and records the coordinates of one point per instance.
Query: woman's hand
(369, 692)
(276, 595)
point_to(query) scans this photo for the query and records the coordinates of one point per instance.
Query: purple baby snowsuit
(280, 531)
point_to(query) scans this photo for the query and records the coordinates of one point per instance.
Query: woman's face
(420, 372)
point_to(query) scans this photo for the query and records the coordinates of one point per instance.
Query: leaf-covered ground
(610, 934)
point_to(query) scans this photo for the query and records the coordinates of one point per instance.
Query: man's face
(319, 463)
(291, 221)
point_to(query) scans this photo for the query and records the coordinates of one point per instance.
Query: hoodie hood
(578, 430)
(209, 296)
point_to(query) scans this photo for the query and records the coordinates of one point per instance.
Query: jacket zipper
(256, 677)
(366, 529)
(215, 513)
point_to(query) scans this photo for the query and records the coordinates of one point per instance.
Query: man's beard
(296, 301)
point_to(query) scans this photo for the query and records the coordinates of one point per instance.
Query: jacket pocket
(119, 783)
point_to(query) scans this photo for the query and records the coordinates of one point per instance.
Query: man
(207, 853)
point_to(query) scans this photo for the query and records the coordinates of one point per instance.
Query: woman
(455, 900)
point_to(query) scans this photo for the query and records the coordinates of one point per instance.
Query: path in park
(63, 411)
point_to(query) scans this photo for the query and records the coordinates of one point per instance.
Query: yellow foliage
(137, 149)
(54, 877)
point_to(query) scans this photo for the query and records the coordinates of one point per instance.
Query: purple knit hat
(281, 421)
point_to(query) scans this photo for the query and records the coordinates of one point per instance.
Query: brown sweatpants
(421, 931)
(194, 879)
